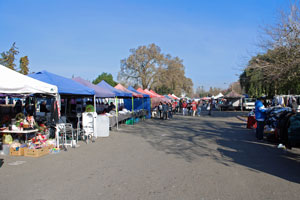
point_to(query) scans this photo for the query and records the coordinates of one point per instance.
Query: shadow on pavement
(226, 141)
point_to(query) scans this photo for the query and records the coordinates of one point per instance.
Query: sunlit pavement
(206, 157)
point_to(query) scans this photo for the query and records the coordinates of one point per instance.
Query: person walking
(184, 108)
(199, 105)
(260, 116)
(194, 108)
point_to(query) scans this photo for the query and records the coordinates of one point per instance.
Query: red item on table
(251, 122)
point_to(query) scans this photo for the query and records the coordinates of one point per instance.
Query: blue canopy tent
(65, 86)
(99, 91)
(142, 103)
(118, 94)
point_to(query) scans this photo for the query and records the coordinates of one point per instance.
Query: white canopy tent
(175, 96)
(218, 96)
(12, 82)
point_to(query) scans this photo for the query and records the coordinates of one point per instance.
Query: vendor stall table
(26, 132)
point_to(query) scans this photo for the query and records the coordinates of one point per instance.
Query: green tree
(8, 58)
(24, 62)
(106, 77)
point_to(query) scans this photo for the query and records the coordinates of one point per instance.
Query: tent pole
(66, 102)
(150, 106)
(132, 109)
(143, 107)
(58, 99)
(94, 103)
(117, 113)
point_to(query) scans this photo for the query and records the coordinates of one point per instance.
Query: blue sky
(85, 38)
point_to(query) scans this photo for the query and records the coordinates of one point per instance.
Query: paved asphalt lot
(185, 158)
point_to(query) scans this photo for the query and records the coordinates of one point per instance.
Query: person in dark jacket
(170, 111)
(260, 115)
(165, 109)
(43, 107)
(294, 106)
(160, 110)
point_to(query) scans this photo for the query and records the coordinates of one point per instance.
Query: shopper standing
(194, 108)
(199, 108)
(184, 107)
(165, 109)
(260, 115)
(160, 108)
(210, 106)
(170, 110)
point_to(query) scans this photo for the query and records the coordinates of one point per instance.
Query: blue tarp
(64, 85)
(118, 93)
(141, 103)
(99, 91)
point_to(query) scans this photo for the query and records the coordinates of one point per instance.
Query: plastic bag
(208, 107)
(7, 139)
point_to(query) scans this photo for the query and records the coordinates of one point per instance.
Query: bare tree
(278, 68)
(141, 66)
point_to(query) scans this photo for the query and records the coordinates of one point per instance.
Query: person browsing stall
(260, 115)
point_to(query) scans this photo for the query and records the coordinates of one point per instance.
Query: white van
(248, 103)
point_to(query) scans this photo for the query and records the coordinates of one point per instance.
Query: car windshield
(248, 100)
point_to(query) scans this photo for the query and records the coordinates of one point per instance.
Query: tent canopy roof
(218, 96)
(132, 89)
(146, 92)
(175, 96)
(121, 87)
(233, 94)
(156, 93)
(172, 97)
(150, 93)
(99, 91)
(118, 93)
(12, 82)
(65, 85)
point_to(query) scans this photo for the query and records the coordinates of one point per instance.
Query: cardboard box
(14, 152)
(35, 152)
(49, 147)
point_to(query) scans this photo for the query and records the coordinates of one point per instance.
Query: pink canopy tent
(142, 91)
(134, 94)
(155, 100)
(163, 98)
(156, 94)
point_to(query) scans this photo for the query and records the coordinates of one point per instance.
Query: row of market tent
(44, 82)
